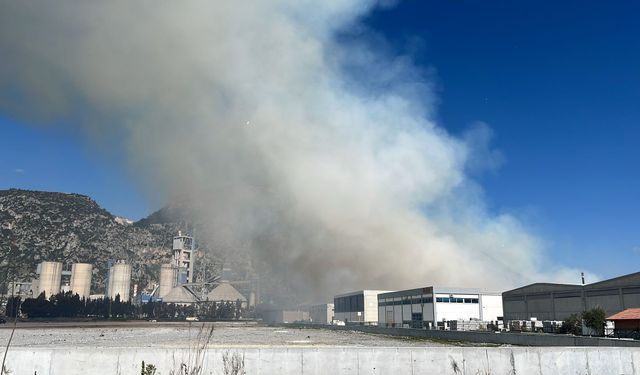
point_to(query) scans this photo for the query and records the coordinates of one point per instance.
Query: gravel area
(184, 336)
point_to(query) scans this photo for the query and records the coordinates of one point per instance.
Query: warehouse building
(430, 306)
(320, 314)
(284, 316)
(357, 307)
(225, 292)
(545, 301)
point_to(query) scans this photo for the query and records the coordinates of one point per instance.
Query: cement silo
(81, 279)
(50, 277)
(168, 279)
(120, 281)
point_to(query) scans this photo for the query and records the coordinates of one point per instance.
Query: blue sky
(558, 82)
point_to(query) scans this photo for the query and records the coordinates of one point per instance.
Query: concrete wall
(351, 360)
(524, 339)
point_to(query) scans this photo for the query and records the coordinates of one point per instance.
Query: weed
(149, 369)
(233, 364)
(194, 364)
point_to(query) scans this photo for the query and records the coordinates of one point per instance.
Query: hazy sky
(557, 82)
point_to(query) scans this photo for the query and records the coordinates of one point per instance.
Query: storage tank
(81, 279)
(50, 277)
(120, 281)
(168, 279)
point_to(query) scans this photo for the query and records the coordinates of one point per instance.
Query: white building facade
(429, 307)
(357, 307)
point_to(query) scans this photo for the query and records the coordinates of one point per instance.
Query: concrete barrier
(329, 360)
(522, 339)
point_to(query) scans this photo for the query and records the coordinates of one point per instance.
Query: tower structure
(50, 277)
(168, 279)
(80, 282)
(183, 257)
(119, 281)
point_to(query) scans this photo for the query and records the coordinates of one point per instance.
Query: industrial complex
(176, 281)
(529, 307)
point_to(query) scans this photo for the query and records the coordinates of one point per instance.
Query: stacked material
(467, 325)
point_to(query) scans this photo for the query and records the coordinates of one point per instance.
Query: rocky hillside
(37, 226)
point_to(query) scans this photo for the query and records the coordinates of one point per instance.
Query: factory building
(546, 301)
(183, 257)
(431, 306)
(357, 307)
(119, 281)
(22, 289)
(180, 295)
(225, 292)
(284, 316)
(321, 314)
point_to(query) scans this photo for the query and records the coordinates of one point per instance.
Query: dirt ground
(183, 335)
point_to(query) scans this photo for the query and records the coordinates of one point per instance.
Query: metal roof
(630, 280)
(225, 292)
(180, 294)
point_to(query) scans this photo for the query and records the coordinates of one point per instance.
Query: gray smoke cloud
(245, 107)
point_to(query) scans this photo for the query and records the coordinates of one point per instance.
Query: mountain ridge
(70, 227)
(38, 226)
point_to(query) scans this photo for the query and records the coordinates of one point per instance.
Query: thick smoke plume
(339, 182)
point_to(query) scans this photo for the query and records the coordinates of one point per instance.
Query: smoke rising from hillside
(247, 109)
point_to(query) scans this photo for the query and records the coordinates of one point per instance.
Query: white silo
(81, 279)
(120, 281)
(168, 279)
(50, 278)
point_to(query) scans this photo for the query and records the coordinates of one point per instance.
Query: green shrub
(595, 319)
(572, 325)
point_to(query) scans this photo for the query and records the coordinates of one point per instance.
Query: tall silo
(81, 279)
(168, 279)
(50, 278)
(120, 281)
